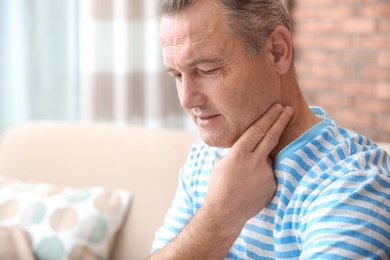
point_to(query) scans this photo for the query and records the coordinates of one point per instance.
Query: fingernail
(289, 110)
(278, 106)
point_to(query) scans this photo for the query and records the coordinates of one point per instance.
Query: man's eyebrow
(195, 63)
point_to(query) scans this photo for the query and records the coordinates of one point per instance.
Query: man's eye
(209, 72)
(177, 77)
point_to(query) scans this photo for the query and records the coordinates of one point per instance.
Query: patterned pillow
(64, 222)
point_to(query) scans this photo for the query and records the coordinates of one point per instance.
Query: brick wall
(342, 57)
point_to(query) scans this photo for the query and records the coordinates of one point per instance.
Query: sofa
(140, 164)
(144, 162)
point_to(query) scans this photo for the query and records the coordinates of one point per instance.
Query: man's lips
(207, 120)
(206, 117)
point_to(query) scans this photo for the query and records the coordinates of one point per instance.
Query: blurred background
(100, 61)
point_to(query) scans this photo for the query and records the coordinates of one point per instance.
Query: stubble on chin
(220, 139)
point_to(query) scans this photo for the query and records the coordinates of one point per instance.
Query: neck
(303, 117)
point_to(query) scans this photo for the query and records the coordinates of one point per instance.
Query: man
(271, 177)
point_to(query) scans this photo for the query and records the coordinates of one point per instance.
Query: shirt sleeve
(349, 219)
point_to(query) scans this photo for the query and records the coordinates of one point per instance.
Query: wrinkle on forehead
(200, 22)
(194, 34)
(178, 30)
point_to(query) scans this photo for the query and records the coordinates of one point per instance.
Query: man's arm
(241, 184)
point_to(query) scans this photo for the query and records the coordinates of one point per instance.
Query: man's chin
(218, 140)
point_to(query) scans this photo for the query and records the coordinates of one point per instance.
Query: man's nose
(191, 93)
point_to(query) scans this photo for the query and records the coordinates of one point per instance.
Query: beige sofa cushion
(145, 162)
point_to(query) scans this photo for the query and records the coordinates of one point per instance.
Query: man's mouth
(207, 117)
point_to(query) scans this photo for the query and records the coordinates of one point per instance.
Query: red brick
(356, 25)
(302, 41)
(333, 42)
(335, 12)
(358, 57)
(384, 125)
(376, 10)
(303, 14)
(382, 91)
(383, 58)
(372, 105)
(303, 69)
(333, 100)
(356, 89)
(359, 3)
(308, 84)
(317, 27)
(314, 55)
(374, 73)
(378, 41)
(311, 3)
(384, 25)
(383, 136)
(329, 71)
(349, 117)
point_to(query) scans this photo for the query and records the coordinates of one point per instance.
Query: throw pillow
(64, 222)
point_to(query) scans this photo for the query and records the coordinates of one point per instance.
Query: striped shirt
(332, 200)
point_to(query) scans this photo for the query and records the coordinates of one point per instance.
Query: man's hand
(243, 182)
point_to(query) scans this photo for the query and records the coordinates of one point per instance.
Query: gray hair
(252, 20)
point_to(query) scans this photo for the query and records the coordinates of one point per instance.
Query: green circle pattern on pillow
(50, 249)
(94, 229)
(76, 196)
(34, 214)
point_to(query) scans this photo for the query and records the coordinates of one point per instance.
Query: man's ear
(282, 49)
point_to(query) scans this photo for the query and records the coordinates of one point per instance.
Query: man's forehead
(186, 43)
(205, 17)
(170, 65)
(175, 30)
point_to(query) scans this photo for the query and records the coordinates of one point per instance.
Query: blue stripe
(199, 194)
(340, 153)
(230, 255)
(185, 210)
(310, 154)
(173, 229)
(348, 220)
(180, 220)
(386, 166)
(256, 242)
(320, 147)
(286, 169)
(197, 182)
(350, 207)
(371, 189)
(285, 240)
(384, 184)
(301, 164)
(364, 252)
(324, 255)
(330, 139)
(376, 158)
(259, 230)
(347, 135)
(288, 254)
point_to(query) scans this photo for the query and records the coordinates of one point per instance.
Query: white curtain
(121, 76)
(38, 60)
(93, 61)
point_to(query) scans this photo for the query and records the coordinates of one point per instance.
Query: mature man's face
(222, 88)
